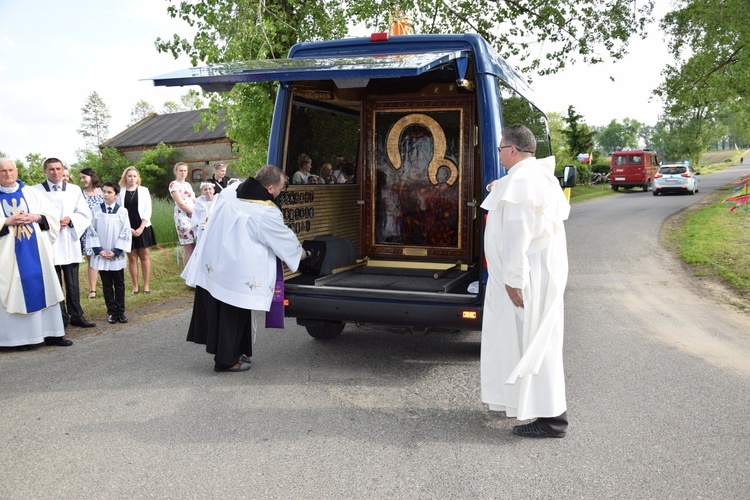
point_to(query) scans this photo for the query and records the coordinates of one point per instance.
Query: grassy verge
(714, 242)
(586, 192)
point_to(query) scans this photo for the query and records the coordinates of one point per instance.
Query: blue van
(410, 126)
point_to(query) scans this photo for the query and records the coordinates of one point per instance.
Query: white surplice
(525, 247)
(70, 203)
(243, 272)
(109, 231)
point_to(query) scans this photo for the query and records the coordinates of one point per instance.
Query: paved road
(657, 397)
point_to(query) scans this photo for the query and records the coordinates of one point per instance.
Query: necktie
(109, 210)
(55, 187)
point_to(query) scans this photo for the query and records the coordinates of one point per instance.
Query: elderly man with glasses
(526, 252)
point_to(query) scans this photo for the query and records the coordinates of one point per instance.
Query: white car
(676, 178)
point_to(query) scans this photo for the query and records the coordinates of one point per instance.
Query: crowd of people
(48, 229)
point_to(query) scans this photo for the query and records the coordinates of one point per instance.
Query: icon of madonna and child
(417, 179)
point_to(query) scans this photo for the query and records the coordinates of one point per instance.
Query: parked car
(676, 178)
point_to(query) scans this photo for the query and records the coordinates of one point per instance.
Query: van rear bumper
(419, 316)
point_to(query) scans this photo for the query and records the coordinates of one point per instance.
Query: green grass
(586, 192)
(162, 220)
(717, 242)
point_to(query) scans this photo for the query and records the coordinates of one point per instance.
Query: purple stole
(275, 315)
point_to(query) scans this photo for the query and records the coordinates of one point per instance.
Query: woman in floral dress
(184, 202)
(91, 191)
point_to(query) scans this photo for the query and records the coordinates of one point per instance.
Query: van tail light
(658, 175)
(686, 174)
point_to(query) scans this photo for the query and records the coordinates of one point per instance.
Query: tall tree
(611, 137)
(578, 135)
(95, 122)
(32, 171)
(712, 46)
(140, 110)
(523, 30)
(645, 134)
(619, 135)
(711, 77)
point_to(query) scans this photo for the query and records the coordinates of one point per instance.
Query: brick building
(200, 150)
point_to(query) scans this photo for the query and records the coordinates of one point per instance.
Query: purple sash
(275, 316)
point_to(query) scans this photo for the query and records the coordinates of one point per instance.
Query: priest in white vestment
(29, 289)
(234, 269)
(75, 218)
(526, 252)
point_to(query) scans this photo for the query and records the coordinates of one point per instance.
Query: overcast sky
(54, 53)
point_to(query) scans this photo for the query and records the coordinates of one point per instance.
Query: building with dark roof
(200, 150)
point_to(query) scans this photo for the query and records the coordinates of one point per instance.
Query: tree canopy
(706, 90)
(619, 135)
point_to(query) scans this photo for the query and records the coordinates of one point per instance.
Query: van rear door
(222, 77)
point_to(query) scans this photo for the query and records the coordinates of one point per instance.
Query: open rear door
(345, 71)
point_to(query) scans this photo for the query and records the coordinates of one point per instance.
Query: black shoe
(82, 322)
(121, 318)
(537, 430)
(112, 318)
(59, 341)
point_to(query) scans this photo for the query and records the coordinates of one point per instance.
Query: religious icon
(418, 178)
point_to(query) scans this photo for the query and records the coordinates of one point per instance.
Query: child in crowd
(109, 239)
(203, 207)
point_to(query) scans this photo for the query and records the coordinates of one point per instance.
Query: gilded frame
(418, 157)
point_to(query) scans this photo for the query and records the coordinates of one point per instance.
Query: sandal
(135, 292)
(92, 294)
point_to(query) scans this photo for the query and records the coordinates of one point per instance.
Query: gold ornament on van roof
(400, 22)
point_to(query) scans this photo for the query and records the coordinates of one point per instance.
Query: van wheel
(615, 188)
(327, 331)
(656, 193)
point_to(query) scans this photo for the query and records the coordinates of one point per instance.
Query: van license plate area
(619, 178)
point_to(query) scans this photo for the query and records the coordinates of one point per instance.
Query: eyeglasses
(500, 148)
